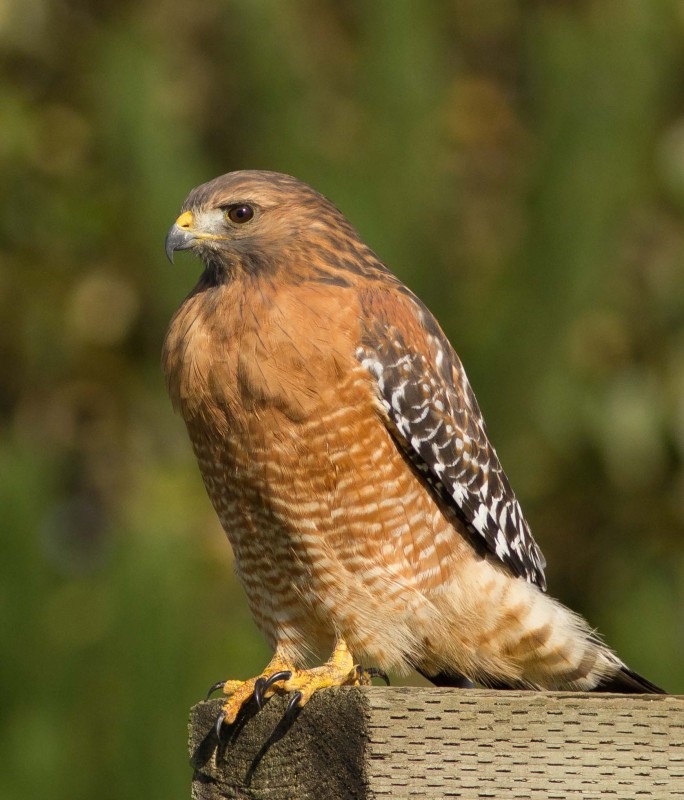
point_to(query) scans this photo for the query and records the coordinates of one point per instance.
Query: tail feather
(452, 679)
(626, 681)
(505, 633)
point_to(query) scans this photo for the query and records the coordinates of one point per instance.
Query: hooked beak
(180, 235)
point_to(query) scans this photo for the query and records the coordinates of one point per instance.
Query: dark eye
(240, 214)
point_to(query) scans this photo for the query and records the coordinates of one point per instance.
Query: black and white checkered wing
(424, 390)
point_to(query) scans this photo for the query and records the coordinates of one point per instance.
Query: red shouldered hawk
(347, 459)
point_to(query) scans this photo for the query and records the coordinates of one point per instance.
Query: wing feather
(435, 418)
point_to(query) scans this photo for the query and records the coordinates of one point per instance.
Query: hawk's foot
(259, 687)
(281, 678)
(339, 670)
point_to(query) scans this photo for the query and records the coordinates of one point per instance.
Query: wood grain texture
(439, 743)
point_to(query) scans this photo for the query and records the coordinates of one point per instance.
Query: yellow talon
(339, 670)
(281, 677)
(230, 687)
(259, 687)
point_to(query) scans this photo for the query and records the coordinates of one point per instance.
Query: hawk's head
(250, 219)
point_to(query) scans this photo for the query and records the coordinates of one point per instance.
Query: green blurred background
(519, 164)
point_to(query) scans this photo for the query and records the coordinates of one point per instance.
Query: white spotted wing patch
(429, 400)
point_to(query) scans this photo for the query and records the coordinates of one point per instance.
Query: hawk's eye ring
(240, 213)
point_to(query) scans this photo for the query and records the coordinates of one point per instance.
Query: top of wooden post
(437, 743)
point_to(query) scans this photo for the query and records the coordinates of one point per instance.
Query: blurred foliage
(520, 165)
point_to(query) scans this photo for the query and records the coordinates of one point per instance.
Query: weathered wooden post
(437, 743)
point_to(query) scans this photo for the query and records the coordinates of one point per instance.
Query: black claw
(293, 704)
(212, 689)
(283, 675)
(374, 672)
(259, 692)
(262, 685)
(219, 724)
